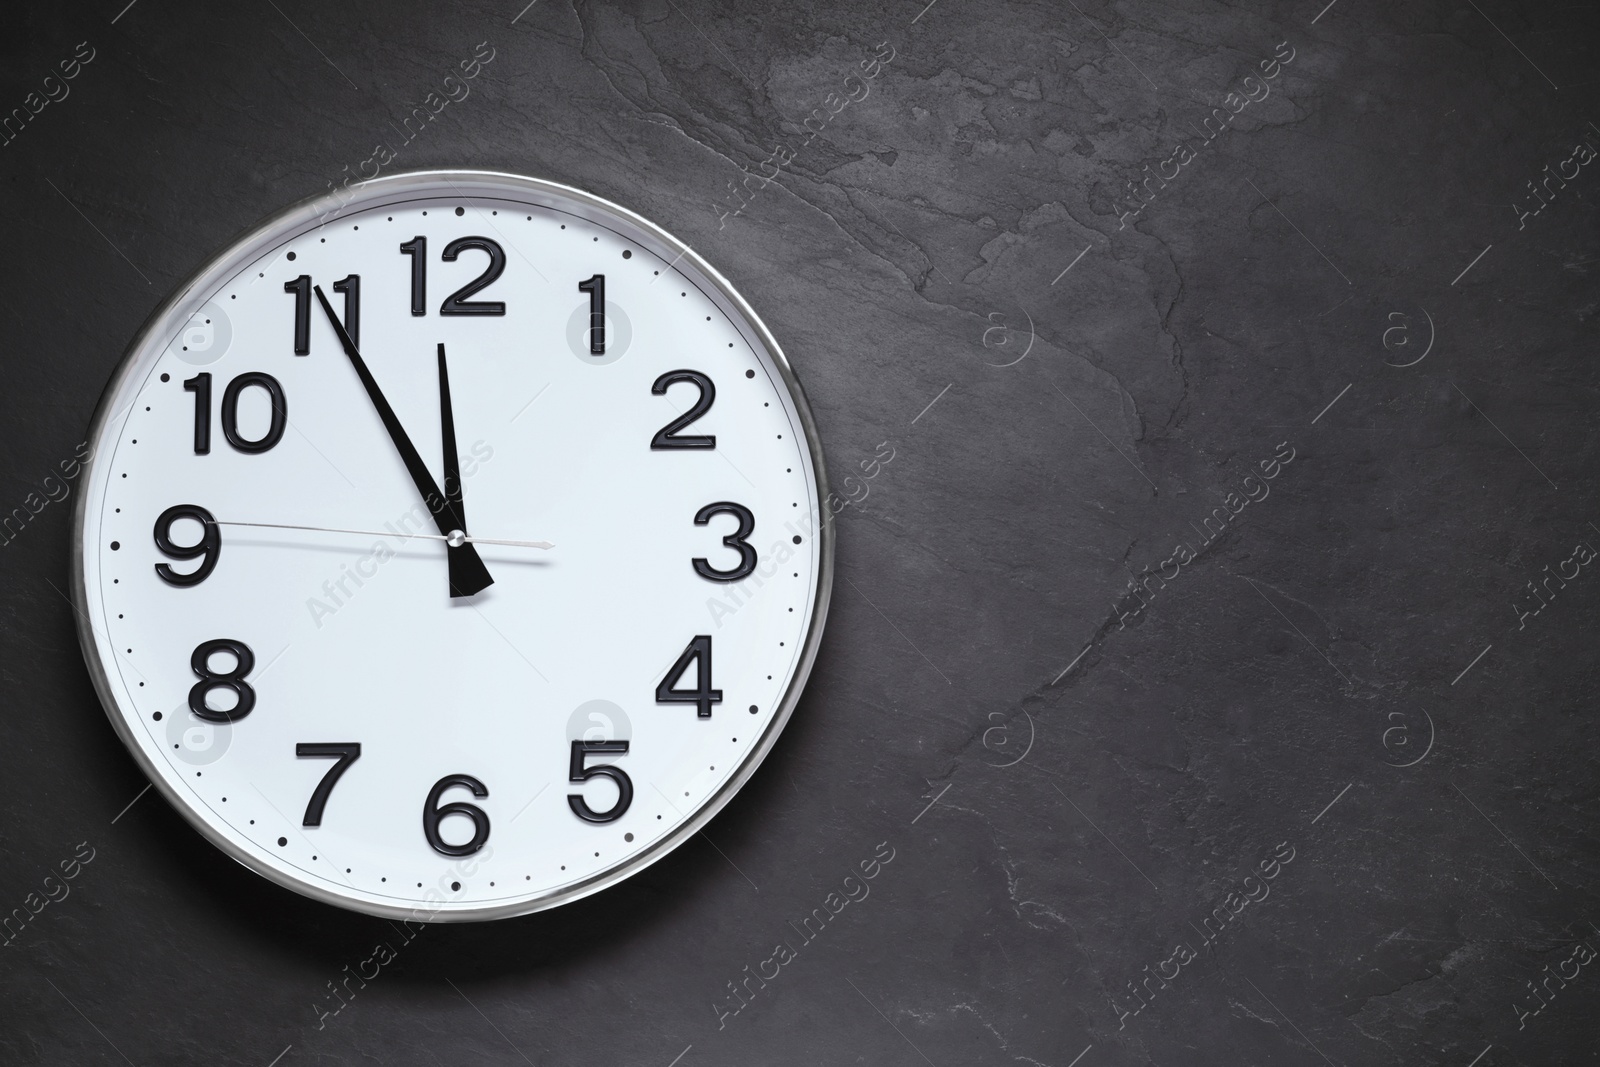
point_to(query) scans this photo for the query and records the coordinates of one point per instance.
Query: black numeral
(200, 386)
(596, 288)
(230, 411)
(432, 814)
(577, 772)
(702, 696)
(456, 303)
(301, 288)
(345, 753)
(664, 437)
(233, 680)
(735, 540)
(350, 286)
(209, 545)
(417, 249)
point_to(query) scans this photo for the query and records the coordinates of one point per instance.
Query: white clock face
(348, 697)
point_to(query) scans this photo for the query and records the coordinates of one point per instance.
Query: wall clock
(453, 547)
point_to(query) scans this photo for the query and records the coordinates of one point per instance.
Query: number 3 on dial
(735, 540)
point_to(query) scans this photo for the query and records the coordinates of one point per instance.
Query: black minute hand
(468, 575)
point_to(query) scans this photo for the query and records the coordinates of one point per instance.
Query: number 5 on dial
(577, 772)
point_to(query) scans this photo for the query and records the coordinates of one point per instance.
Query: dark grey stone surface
(1088, 820)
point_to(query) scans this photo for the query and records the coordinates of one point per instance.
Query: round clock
(452, 547)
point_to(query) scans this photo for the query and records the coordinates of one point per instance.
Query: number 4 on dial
(702, 696)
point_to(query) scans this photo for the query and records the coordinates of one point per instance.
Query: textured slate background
(1085, 821)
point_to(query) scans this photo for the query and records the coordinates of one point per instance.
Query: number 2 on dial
(667, 437)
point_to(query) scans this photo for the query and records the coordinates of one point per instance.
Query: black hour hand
(467, 571)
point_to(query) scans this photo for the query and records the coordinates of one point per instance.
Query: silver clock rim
(464, 183)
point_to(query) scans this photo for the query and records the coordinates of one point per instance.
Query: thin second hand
(375, 533)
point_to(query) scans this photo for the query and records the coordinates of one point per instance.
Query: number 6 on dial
(433, 814)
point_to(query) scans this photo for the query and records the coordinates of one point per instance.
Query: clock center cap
(455, 538)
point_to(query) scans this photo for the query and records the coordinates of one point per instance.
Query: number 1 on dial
(596, 288)
(417, 249)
